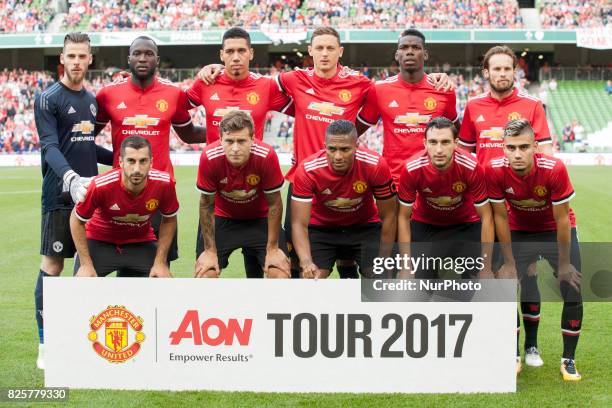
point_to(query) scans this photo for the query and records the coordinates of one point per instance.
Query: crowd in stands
(575, 13)
(19, 16)
(116, 15)
(252, 14)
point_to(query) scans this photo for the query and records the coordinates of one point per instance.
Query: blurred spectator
(568, 134)
(552, 85)
(608, 87)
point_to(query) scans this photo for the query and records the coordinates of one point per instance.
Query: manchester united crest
(514, 116)
(345, 95)
(540, 191)
(253, 179)
(430, 103)
(360, 186)
(152, 204)
(459, 187)
(161, 105)
(119, 325)
(252, 98)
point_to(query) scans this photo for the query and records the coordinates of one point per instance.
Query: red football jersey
(343, 199)
(240, 191)
(443, 197)
(530, 198)
(145, 112)
(405, 109)
(319, 102)
(256, 94)
(117, 216)
(485, 117)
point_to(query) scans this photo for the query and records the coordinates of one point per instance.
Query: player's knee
(52, 265)
(211, 274)
(277, 273)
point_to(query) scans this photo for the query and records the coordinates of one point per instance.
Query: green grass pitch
(537, 387)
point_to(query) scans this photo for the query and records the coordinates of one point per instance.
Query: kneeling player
(333, 214)
(530, 193)
(444, 201)
(111, 227)
(240, 207)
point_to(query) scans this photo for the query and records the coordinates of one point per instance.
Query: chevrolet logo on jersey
(495, 133)
(131, 218)
(84, 126)
(239, 195)
(140, 121)
(342, 203)
(445, 201)
(326, 108)
(221, 112)
(412, 119)
(529, 203)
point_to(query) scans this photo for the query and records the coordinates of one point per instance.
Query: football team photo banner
(272, 336)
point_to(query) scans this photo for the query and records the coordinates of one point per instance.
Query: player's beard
(143, 77)
(75, 79)
(502, 89)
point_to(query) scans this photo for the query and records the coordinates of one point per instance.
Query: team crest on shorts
(118, 324)
(360, 186)
(161, 105)
(252, 98)
(58, 246)
(459, 186)
(540, 191)
(514, 116)
(345, 95)
(253, 179)
(430, 103)
(152, 204)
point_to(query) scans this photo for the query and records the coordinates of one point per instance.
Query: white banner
(272, 336)
(598, 38)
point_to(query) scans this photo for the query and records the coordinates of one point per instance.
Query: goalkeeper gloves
(75, 185)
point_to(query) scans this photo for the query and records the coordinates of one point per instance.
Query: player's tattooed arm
(502, 230)
(300, 217)
(160, 267)
(567, 272)
(191, 133)
(274, 255)
(207, 265)
(403, 237)
(77, 228)
(487, 236)
(209, 73)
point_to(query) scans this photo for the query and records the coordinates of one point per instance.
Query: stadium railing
(576, 74)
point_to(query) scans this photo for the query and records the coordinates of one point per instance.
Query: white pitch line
(20, 192)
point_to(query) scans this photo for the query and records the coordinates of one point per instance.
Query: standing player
(321, 95)
(406, 102)
(65, 115)
(482, 131)
(482, 128)
(240, 207)
(147, 106)
(237, 89)
(530, 192)
(334, 212)
(117, 209)
(443, 197)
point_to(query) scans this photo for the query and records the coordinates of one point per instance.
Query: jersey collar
(508, 98)
(139, 89)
